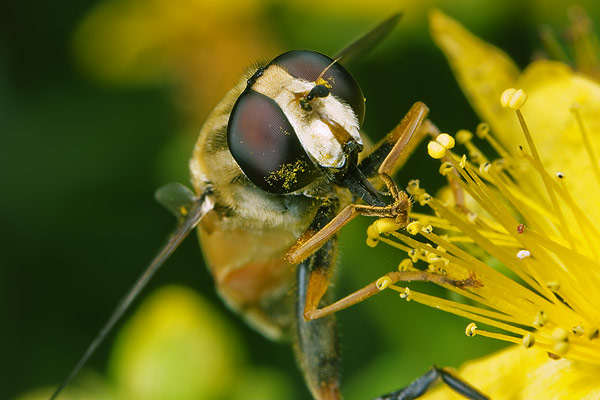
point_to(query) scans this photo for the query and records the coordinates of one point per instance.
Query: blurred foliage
(100, 102)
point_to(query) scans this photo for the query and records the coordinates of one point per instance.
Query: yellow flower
(533, 210)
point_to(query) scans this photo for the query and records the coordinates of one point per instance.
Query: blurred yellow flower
(200, 44)
(534, 210)
(176, 346)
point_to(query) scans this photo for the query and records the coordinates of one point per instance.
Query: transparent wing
(189, 210)
(361, 46)
(176, 198)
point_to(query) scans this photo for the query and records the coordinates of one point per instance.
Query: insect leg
(393, 150)
(373, 288)
(421, 385)
(316, 347)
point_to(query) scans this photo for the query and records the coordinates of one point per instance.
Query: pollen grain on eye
(287, 174)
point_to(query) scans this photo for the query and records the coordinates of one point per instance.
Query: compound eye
(308, 65)
(265, 146)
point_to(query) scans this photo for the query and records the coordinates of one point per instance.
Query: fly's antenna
(320, 78)
(189, 210)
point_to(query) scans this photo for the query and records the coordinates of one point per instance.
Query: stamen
(515, 99)
(548, 305)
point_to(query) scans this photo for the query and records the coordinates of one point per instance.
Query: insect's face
(298, 119)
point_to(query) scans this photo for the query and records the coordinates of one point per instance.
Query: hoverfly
(277, 170)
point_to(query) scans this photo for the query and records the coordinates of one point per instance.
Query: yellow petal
(518, 373)
(553, 89)
(482, 70)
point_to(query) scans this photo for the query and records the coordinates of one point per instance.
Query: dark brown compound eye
(308, 65)
(265, 146)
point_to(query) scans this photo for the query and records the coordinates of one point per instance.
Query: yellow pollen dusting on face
(287, 174)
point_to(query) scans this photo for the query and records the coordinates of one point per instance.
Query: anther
(553, 285)
(540, 319)
(513, 98)
(383, 282)
(385, 225)
(436, 150)
(424, 199)
(432, 258)
(560, 348)
(483, 129)
(413, 186)
(445, 168)
(445, 140)
(485, 168)
(471, 329)
(560, 334)
(578, 330)
(560, 175)
(414, 255)
(528, 340)
(405, 265)
(520, 228)
(522, 254)
(372, 242)
(414, 227)
(463, 136)
(406, 294)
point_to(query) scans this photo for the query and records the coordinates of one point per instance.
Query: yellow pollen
(513, 98)
(471, 329)
(445, 168)
(406, 294)
(560, 335)
(540, 319)
(445, 140)
(522, 254)
(405, 265)
(578, 330)
(463, 136)
(414, 227)
(528, 340)
(561, 348)
(383, 282)
(424, 199)
(483, 130)
(436, 150)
